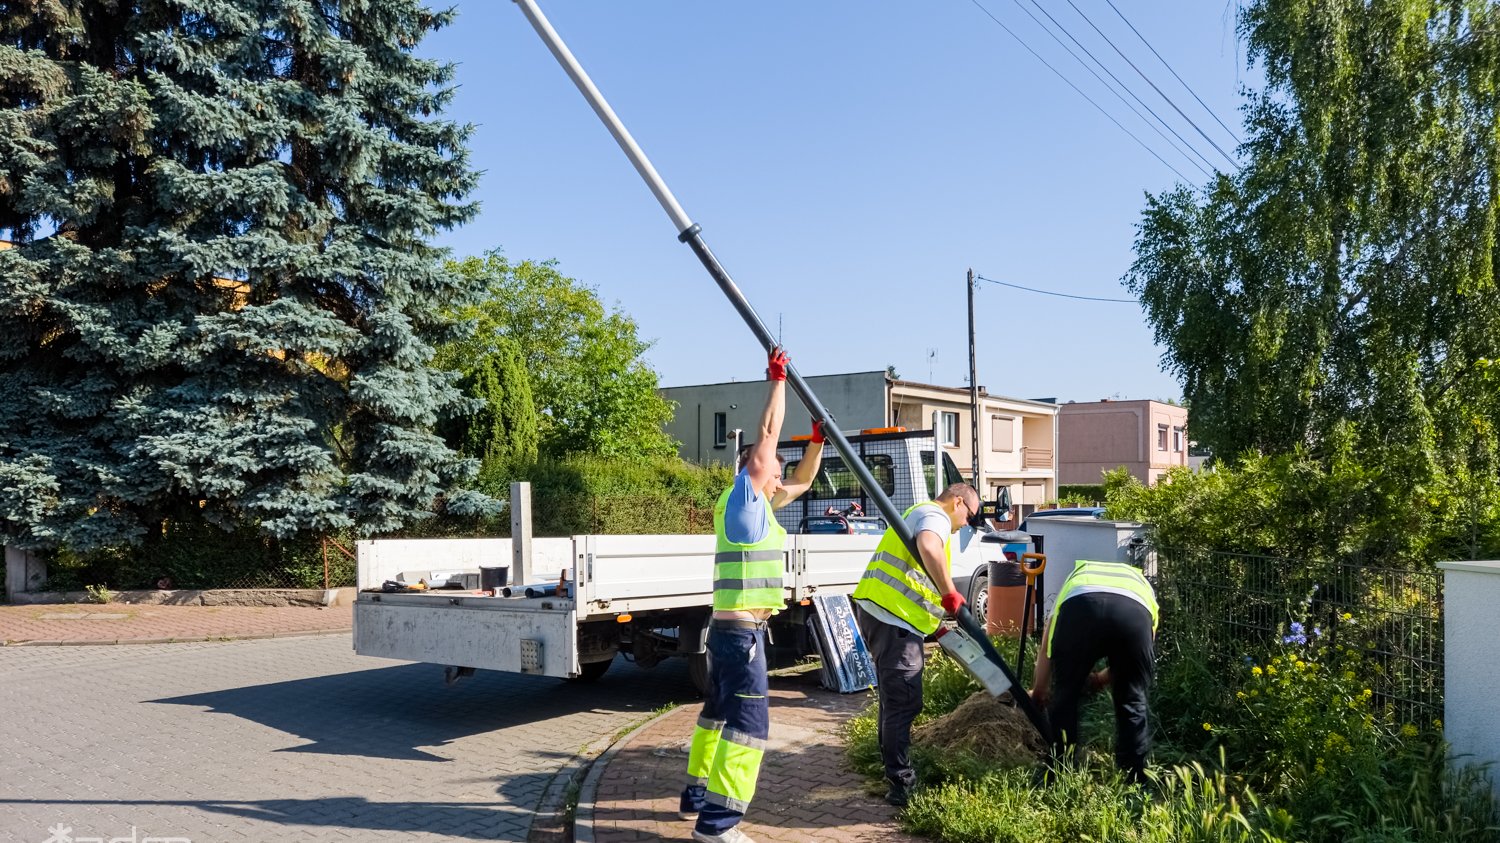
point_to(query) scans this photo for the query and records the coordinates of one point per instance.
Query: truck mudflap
(528, 636)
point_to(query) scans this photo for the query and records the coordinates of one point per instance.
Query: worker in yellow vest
(1104, 610)
(902, 601)
(749, 561)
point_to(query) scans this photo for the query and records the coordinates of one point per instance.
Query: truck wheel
(591, 671)
(698, 671)
(979, 597)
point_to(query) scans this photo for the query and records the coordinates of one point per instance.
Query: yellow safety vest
(897, 583)
(1110, 577)
(748, 576)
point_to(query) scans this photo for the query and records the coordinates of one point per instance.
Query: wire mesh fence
(1383, 623)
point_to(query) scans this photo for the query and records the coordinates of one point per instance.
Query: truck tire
(979, 597)
(698, 671)
(591, 671)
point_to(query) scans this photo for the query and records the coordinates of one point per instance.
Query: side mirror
(996, 510)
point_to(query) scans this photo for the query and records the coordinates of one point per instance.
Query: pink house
(1147, 437)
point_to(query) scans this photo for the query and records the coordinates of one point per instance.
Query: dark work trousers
(899, 660)
(733, 728)
(1094, 626)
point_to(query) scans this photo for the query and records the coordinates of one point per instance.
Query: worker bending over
(1104, 610)
(901, 601)
(749, 560)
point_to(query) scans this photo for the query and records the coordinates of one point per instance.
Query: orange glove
(776, 363)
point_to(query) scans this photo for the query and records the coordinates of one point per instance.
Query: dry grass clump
(991, 728)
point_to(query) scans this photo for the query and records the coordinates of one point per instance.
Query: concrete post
(520, 533)
(1471, 651)
(24, 571)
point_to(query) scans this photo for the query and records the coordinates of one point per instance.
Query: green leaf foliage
(594, 392)
(221, 300)
(1338, 292)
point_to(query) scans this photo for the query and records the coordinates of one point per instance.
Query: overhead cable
(1211, 141)
(1090, 100)
(1059, 295)
(1211, 112)
(1126, 88)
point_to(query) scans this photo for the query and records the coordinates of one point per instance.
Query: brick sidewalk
(142, 624)
(806, 790)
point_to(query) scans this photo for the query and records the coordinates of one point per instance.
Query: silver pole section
(691, 233)
(937, 453)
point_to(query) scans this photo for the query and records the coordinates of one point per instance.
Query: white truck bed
(610, 576)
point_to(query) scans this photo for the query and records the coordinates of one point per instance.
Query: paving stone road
(287, 740)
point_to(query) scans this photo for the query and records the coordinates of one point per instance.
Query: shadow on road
(394, 712)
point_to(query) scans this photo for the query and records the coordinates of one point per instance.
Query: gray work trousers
(899, 660)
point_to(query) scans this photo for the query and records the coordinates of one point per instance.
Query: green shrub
(1080, 494)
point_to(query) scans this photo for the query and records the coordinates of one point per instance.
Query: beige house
(1017, 437)
(1147, 437)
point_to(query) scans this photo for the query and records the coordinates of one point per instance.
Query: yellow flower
(1208, 727)
(1365, 694)
(1255, 670)
(1254, 692)
(1408, 730)
(1346, 616)
(1239, 695)
(1271, 670)
(1301, 665)
(1348, 676)
(1437, 723)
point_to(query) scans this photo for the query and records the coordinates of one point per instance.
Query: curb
(197, 639)
(583, 817)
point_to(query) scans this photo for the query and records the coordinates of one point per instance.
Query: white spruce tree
(221, 299)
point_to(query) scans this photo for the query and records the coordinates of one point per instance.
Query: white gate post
(1471, 649)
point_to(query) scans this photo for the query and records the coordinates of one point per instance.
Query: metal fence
(1228, 606)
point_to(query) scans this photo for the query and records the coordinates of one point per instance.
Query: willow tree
(1338, 292)
(221, 298)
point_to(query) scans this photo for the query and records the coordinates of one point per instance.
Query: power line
(1059, 295)
(1211, 141)
(1211, 112)
(1090, 100)
(1122, 85)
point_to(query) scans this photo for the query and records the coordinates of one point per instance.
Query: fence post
(520, 533)
(1471, 649)
(324, 542)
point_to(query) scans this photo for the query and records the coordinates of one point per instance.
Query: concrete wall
(24, 571)
(857, 401)
(1471, 706)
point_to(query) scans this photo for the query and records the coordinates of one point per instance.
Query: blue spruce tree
(220, 300)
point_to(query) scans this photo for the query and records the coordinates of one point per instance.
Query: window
(950, 471)
(721, 429)
(1002, 433)
(1177, 439)
(1161, 437)
(836, 481)
(949, 423)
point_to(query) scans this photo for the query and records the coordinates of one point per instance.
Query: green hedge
(1084, 493)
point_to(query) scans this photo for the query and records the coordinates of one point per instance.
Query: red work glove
(952, 602)
(776, 364)
(817, 432)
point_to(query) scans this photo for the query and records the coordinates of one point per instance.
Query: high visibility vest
(748, 576)
(897, 583)
(1107, 577)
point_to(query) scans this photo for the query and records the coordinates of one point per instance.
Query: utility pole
(973, 392)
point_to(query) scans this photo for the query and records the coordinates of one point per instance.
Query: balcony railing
(1036, 457)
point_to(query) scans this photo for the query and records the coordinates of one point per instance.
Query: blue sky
(848, 161)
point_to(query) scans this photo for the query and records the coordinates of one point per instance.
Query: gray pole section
(973, 389)
(690, 233)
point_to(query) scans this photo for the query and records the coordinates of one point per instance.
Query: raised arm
(807, 470)
(762, 464)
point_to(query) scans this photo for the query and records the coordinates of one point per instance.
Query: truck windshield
(950, 471)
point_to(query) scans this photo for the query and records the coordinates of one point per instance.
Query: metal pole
(973, 390)
(937, 453)
(691, 233)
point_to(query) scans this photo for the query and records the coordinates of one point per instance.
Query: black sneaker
(898, 795)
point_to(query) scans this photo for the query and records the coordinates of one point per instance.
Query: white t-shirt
(931, 518)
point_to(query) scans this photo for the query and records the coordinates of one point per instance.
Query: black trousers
(1094, 626)
(899, 660)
